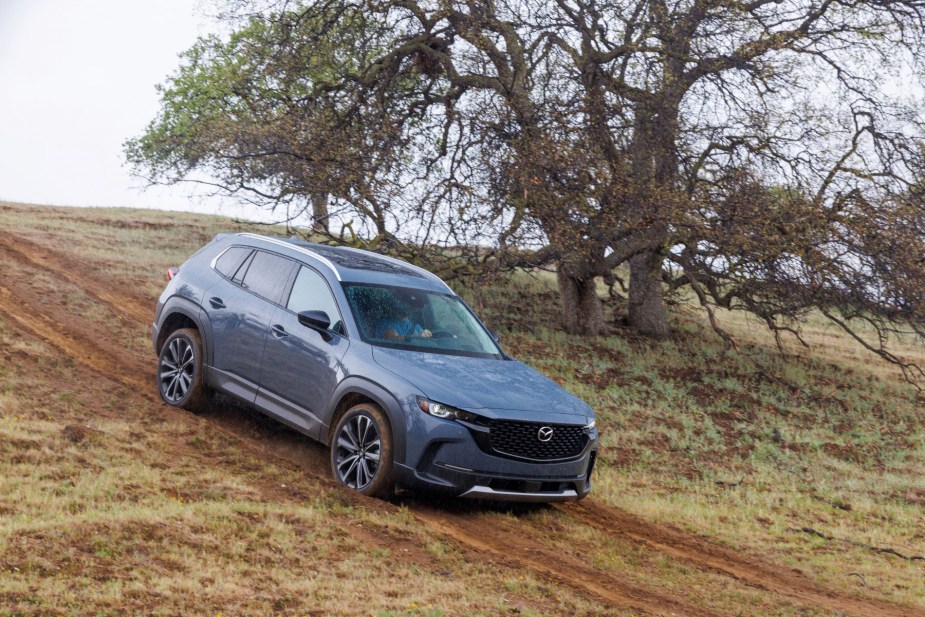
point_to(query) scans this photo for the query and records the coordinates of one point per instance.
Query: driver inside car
(400, 326)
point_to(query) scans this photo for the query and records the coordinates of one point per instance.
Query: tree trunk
(582, 312)
(647, 313)
(320, 217)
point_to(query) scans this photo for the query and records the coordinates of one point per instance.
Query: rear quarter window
(229, 261)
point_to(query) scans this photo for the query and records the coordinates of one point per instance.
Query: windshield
(418, 320)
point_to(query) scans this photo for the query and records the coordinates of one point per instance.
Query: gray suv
(376, 358)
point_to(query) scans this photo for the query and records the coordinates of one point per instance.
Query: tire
(361, 451)
(179, 371)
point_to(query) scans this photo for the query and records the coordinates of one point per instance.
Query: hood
(480, 383)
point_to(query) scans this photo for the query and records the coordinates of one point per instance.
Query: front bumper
(540, 483)
(451, 462)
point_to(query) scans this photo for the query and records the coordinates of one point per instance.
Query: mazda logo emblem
(544, 434)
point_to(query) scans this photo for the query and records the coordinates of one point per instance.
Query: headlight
(590, 425)
(439, 410)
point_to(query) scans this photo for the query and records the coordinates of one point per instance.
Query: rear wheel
(361, 451)
(179, 371)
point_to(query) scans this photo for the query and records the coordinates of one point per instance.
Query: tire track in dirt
(521, 551)
(78, 348)
(470, 532)
(131, 305)
(710, 556)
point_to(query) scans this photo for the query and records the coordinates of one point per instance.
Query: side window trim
(290, 283)
(238, 278)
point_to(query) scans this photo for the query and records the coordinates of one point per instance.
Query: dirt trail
(122, 301)
(75, 346)
(710, 556)
(520, 550)
(85, 342)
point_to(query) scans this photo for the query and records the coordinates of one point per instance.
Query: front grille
(521, 440)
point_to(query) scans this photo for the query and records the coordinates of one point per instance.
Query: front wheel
(179, 371)
(361, 451)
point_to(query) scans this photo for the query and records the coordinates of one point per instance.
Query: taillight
(172, 272)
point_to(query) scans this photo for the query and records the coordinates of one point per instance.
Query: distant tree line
(763, 155)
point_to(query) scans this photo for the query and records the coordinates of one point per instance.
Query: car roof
(358, 266)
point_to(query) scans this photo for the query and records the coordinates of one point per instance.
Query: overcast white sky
(76, 80)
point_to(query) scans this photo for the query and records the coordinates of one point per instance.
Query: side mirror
(315, 319)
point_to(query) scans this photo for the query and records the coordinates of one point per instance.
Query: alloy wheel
(358, 452)
(176, 369)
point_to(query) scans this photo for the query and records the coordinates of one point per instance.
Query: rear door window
(267, 275)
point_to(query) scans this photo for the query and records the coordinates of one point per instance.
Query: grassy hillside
(729, 483)
(757, 448)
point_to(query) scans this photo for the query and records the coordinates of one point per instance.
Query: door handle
(278, 331)
(217, 303)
